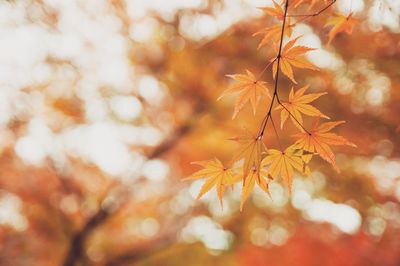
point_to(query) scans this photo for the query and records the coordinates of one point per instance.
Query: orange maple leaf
(318, 140)
(273, 33)
(217, 175)
(276, 11)
(282, 163)
(292, 56)
(297, 104)
(249, 89)
(340, 23)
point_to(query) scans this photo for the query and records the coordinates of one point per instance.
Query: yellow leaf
(292, 56)
(249, 89)
(340, 23)
(255, 176)
(276, 11)
(251, 151)
(282, 163)
(217, 175)
(298, 104)
(318, 139)
(273, 33)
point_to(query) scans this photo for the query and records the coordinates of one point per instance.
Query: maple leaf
(255, 176)
(282, 163)
(251, 151)
(340, 23)
(292, 56)
(249, 89)
(299, 103)
(276, 11)
(318, 140)
(217, 175)
(273, 33)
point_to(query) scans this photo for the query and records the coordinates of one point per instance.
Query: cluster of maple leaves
(254, 163)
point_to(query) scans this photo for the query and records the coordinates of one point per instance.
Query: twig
(278, 58)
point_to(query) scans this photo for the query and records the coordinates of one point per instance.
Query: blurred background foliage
(104, 104)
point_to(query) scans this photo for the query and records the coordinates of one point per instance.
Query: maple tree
(257, 160)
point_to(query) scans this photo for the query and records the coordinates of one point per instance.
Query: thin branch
(278, 58)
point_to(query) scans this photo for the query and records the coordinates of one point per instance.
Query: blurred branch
(164, 241)
(142, 251)
(153, 245)
(75, 252)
